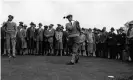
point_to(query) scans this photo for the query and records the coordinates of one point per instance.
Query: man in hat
(51, 32)
(130, 39)
(31, 38)
(103, 39)
(74, 30)
(40, 39)
(45, 39)
(28, 39)
(58, 25)
(111, 40)
(65, 42)
(11, 31)
(97, 42)
(121, 39)
(20, 23)
(100, 43)
(18, 38)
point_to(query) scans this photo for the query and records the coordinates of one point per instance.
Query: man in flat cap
(45, 41)
(74, 30)
(11, 31)
(112, 43)
(40, 39)
(130, 39)
(121, 40)
(65, 42)
(51, 32)
(103, 38)
(21, 23)
(58, 25)
(28, 39)
(97, 42)
(18, 38)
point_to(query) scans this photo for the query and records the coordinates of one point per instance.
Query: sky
(90, 14)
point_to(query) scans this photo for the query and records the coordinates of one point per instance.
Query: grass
(54, 68)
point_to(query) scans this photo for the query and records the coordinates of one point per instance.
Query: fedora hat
(32, 23)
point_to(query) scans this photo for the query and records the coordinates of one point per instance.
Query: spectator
(58, 42)
(40, 40)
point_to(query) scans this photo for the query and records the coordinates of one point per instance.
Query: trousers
(40, 47)
(10, 43)
(75, 47)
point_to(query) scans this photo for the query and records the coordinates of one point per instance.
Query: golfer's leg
(77, 54)
(13, 45)
(8, 45)
(74, 52)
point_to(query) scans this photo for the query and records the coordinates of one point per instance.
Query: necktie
(71, 23)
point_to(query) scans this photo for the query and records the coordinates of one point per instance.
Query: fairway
(54, 68)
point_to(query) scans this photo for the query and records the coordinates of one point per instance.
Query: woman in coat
(58, 42)
(90, 42)
(23, 39)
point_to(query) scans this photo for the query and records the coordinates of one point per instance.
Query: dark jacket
(31, 33)
(3, 33)
(39, 35)
(111, 40)
(121, 38)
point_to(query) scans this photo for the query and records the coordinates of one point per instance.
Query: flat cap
(68, 16)
(20, 22)
(112, 29)
(58, 24)
(89, 29)
(51, 25)
(45, 26)
(10, 16)
(40, 24)
(25, 25)
(121, 29)
(99, 30)
(58, 28)
(95, 28)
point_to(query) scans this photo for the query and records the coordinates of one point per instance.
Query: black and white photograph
(66, 39)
